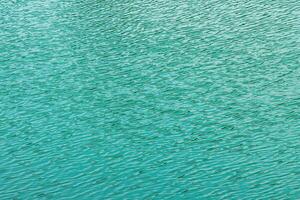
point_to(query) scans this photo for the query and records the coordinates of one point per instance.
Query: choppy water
(149, 99)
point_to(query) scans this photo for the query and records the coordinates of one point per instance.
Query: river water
(139, 99)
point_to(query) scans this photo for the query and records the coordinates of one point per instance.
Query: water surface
(139, 99)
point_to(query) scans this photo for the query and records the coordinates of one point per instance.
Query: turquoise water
(149, 99)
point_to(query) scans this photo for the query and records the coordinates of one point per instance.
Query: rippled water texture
(149, 99)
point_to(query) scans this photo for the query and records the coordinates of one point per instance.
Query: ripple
(149, 100)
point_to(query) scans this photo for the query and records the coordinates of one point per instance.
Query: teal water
(149, 99)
